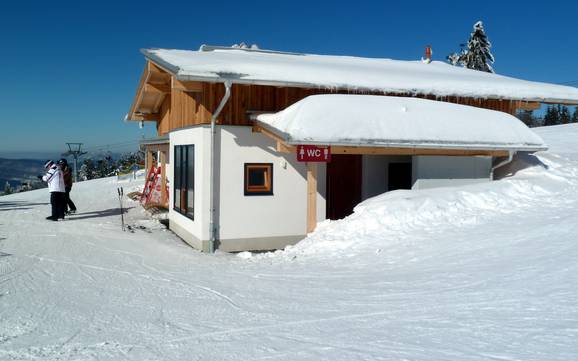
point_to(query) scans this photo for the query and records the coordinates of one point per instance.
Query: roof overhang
(361, 124)
(154, 85)
(155, 144)
(383, 76)
(158, 140)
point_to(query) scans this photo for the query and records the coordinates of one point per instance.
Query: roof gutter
(213, 150)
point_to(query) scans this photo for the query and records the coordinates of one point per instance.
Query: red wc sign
(313, 153)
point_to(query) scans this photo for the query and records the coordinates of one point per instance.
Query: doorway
(399, 176)
(343, 184)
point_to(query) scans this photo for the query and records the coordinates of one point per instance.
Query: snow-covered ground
(482, 272)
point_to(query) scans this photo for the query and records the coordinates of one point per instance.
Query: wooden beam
(139, 91)
(311, 196)
(158, 88)
(164, 200)
(416, 151)
(285, 148)
(149, 160)
(188, 86)
(151, 72)
(528, 105)
(160, 147)
(155, 68)
(282, 146)
(143, 116)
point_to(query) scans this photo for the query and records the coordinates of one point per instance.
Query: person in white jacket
(56, 188)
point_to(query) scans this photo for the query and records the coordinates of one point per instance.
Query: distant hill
(16, 171)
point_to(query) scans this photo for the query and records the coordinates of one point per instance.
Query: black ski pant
(58, 202)
(69, 204)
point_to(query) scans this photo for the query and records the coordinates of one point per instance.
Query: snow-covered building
(241, 121)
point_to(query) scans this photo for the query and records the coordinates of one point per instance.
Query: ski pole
(120, 194)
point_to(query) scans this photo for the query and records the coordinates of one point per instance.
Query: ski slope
(481, 272)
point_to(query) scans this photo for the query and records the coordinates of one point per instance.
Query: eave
(154, 85)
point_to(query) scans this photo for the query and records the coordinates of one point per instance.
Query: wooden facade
(175, 104)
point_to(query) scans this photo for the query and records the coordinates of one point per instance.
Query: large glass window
(184, 182)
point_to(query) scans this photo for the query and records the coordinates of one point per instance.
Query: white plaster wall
(439, 171)
(282, 214)
(200, 137)
(375, 173)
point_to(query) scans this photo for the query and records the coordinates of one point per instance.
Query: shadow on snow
(98, 214)
(18, 205)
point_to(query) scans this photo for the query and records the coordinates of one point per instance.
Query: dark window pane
(190, 180)
(257, 177)
(177, 176)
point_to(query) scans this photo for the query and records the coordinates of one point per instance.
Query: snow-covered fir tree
(477, 55)
(87, 170)
(8, 188)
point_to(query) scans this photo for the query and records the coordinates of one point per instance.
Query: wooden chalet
(231, 176)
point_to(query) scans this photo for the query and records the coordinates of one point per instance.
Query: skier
(69, 206)
(56, 188)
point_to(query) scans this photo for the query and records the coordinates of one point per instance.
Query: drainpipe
(502, 163)
(212, 226)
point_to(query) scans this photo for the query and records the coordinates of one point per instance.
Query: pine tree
(575, 115)
(528, 118)
(478, 55)
(564, 114)
(552, 116)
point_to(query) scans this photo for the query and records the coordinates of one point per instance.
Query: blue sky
(70, 69)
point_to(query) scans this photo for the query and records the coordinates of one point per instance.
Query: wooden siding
(163, 124)
(188, 108)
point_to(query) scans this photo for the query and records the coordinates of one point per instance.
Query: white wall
(199, 227)
(439, 171)
(261, 219)
(282, 214)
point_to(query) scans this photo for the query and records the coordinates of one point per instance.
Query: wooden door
(343, 185)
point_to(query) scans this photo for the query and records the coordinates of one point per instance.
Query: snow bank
(345, 72)
(530, 182)
(398, 122)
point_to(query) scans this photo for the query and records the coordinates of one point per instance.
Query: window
(258, 179)
(184, 182)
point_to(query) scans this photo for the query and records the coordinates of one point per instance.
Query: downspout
(502, 163)
(212, 226)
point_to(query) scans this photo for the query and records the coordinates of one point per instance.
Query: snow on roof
(383, 121)
(353, 73)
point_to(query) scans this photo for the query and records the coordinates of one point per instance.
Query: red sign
(313, 153)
